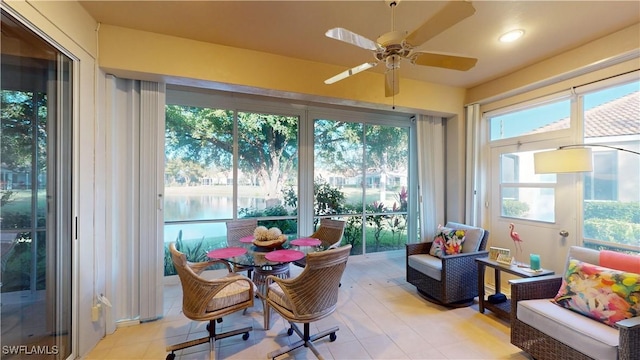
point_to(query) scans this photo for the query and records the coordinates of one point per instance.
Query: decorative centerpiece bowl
(268, 238)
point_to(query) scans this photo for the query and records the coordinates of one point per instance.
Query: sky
(527, 120)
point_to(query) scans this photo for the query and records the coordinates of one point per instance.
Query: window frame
(188, 96)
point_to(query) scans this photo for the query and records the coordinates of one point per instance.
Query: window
(525, 195)
(533, 120)
(602, 184)
(361, 172)
(612, 191)
(223, 164)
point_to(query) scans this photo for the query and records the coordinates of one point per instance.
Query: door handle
(564, 233)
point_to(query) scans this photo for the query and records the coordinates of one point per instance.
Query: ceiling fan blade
(352, 38)
(451, 14)
(391, 82)
(444, 61)
(352, 71)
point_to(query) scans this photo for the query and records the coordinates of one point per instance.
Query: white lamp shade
(563, 161)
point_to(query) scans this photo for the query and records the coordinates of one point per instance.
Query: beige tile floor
(380, 316)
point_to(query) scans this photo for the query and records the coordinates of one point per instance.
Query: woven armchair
(209, 300)
(237, 229)
(542, 346)
(453, 280)
(330, 234)
(311, 296)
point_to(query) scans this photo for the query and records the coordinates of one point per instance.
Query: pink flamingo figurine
(516, 239)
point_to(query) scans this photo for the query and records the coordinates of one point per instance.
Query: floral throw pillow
(603, 294)
(447, 242)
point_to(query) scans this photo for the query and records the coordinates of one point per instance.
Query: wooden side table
(501, 309)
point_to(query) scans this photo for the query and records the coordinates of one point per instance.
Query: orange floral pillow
(603, 294)
(447, 242)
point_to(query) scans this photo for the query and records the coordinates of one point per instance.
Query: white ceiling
(296, 29)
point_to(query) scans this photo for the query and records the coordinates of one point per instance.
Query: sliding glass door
(361, 175)
(35, 196)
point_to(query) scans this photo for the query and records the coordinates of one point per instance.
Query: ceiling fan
(394, 46)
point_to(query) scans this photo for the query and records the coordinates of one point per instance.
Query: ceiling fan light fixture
(392, 62)
(511, 36)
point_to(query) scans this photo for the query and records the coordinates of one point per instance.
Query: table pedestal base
(260, 274)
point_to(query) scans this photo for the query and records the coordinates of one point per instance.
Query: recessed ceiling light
(511, 36)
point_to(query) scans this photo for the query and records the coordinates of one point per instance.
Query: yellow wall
(138, 54)
(583, 59)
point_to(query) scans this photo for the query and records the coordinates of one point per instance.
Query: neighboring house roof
(614, 118)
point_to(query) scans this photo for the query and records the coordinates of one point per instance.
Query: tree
(339, 148)
(267, 143)
(384, 153)
(268, 148)
(20, 112)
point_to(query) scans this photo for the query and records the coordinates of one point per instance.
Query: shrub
(615, 231)
(620, 211)
(514, 208)
(193, 250)
(328, 199)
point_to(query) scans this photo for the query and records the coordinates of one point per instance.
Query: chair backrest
(475, 239)
(188, 280)
(587, 255)
(330, 233)
(197, 291)
(314, 293)
(237, 229)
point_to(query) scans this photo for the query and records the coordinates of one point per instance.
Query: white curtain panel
(431, 174)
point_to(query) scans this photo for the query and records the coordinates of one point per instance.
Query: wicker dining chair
(329, 233)
(209, 300)
(237, 229)
(309, 297)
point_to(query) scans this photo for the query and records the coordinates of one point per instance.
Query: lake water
(178, 207)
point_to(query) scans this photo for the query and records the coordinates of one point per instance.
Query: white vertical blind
(152, 104)
(472, 193)
(135, 114)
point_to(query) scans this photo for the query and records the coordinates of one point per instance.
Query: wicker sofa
(547, 331)
(453, 280)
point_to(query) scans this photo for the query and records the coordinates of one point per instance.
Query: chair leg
(306, 340)
(266, 309)
(211, 339)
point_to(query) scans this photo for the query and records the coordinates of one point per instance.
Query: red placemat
(306, 242)
(226, 253)
(247, 239)
(284, 255)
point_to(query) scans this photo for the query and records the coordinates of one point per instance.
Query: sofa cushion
(473, 236)
(447, 242)
(603, 294)
(579, 332)
(426, 264)
(620, 261)
(590, 256)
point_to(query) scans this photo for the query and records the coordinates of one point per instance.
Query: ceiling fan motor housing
(392, 37)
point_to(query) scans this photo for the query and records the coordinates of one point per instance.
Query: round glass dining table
(264, 261)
